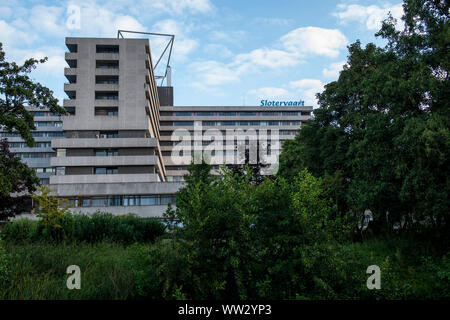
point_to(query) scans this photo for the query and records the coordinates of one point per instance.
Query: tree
(18, 91)
(17, 180)
(382, 127)
(51, 211)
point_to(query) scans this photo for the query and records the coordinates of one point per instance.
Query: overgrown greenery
(380, 137)
(18, 91)
(379, 140)
(79, 228)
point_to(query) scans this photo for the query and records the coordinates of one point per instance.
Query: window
(107, 134)
(204, 113)
(148, 200)
(44, 181)
(106, 79)
(72, 63)
(106, 111)
(71, 94)
(209, 123)
(57, 124)
(99, 202)
(166, 199)
(106, 152)
(70, 110)
(247, 113)
(183, 123)
(107, 64)
(61, 152)
(71, 78)
(106, 95)
(107, 48)
(72, 47)
(107, 170)
(183, 114)
(227, 113)
(290, 113)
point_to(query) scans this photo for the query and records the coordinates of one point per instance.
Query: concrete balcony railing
(107, 56)
(106, 72)
(104, 143)
(69, 102)
(70, 71)
(70, 86)
(104, 161)
(107, 87)
(71, 55)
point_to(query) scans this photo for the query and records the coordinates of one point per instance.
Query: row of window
(43, 114)
(45, 170)
(57, 124)
(24, 145)
(192, 143)
(32, 155)
(233, 123)
(234, 113)
(34, 134)
(126, 200)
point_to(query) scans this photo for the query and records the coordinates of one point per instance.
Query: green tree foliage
(16, 181)
(17, 91)
(380, 137)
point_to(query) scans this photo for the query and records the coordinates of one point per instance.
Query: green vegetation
(380, 137)
(18, 91)
(379, 141)
(80, 228)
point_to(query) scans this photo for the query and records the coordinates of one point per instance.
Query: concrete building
(209, 129)
(125, 153)
(111, 156)
(48, 126)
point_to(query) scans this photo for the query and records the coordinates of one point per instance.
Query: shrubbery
(83, 228)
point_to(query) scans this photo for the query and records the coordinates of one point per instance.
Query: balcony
(104, 161)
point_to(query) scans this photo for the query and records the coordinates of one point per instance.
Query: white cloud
(234, 37)
(333, 70)
(180, 6)
(48, 20)
(320, 41)
(219, 50)
(308, 88)
(264, 57)
(277, 22)
(183, 44)
(213, 73)
(370, 16)
(97, 21)
(10, 35)
(270, 93)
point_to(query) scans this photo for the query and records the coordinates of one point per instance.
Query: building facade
(111, 156)
(48, 126)
(126, 147)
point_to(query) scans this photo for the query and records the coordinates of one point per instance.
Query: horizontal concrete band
(105, 143)
(102, 189)
(103, 161)
(103, 178)
(235, 108)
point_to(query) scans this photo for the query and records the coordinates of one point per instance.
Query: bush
(20, 230)
(84, 228)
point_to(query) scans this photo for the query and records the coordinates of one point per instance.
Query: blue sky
(226, 52)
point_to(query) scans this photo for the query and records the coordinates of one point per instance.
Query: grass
(410, 270)
(39, 271)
